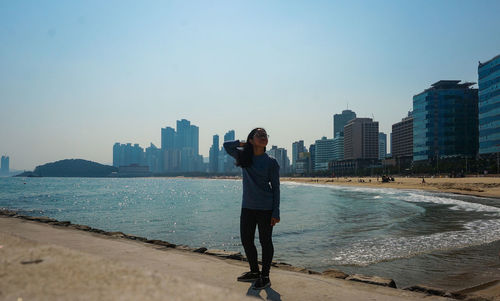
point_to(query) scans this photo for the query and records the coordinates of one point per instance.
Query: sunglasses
(261, 135)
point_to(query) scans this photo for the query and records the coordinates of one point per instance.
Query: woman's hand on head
(274, 221)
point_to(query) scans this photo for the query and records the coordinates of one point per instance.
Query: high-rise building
(402, 138)
(221, 160)
(297, 147)
(340, 120)
(228, 163)
(179, 151)
(187, 136)
(324, 153)
(180, 148)
(361, 139)
(167, 138)
(382, 145)
(303, 164)
(280, 155)
(338, 147)
(170, 153)
(183, 134)
(117, 155)
(489, 106)
(5, 165)
(445, 121)
(312, 152)
(229, 136)
(214, 155)
(154, 158)
(195, 140)
(126, 154)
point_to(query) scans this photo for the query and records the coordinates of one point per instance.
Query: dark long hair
(245, 157)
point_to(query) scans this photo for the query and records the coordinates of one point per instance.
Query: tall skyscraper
(338, 147)
(402, 138)
(324, 153)
(228, 162)
(183, 134)
(187, 136)
(167, 138)
(312, 152)
(229, 136)
(5, 165)
(280, 155)
(180, 148)
(214, 155)
(445, 121)
(195, 139)
(340, 120)
(361, 139)
(489, 106)
(117, 154)
(382, 145)
(297, 148)
(154, 158)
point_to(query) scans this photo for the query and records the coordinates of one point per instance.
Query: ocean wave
(411, 196)
(367, 252)
(456, 204)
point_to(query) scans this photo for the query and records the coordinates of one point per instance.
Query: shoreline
(488, 187)
(483, 290)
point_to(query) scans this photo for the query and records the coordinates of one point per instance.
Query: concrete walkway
(46, 262)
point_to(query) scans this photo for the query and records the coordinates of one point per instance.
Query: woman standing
(261, 202)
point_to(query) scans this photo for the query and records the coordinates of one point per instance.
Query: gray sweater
(261, 181)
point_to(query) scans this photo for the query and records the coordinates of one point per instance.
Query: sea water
(408, 235)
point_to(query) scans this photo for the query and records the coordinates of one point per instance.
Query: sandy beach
(476, 186)
(40, 261)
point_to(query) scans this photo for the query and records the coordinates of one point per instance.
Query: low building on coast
(133, 170)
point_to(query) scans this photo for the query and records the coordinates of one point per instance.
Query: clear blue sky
(77, 76)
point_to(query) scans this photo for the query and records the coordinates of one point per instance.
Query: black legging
(249, 219)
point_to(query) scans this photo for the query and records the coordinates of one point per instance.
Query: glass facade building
(338, 147)
(382, 145)
(324, 153)
(489, 106)
(340, 120)
(445, 121)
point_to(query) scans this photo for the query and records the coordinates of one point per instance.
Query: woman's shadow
(271, 294)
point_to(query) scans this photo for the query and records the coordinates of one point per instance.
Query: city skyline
(78, 77)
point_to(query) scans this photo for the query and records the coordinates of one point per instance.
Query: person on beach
(261, 202)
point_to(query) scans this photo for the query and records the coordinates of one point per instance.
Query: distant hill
(73, 168)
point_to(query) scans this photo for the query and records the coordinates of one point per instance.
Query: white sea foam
(457, 204)
(412, 196)
(368, 252)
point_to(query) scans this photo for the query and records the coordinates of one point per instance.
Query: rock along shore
(383, 286)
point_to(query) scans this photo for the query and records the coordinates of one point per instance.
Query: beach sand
(476, 186)
(47, 262)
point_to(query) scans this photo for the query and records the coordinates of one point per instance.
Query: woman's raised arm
(231, 147)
